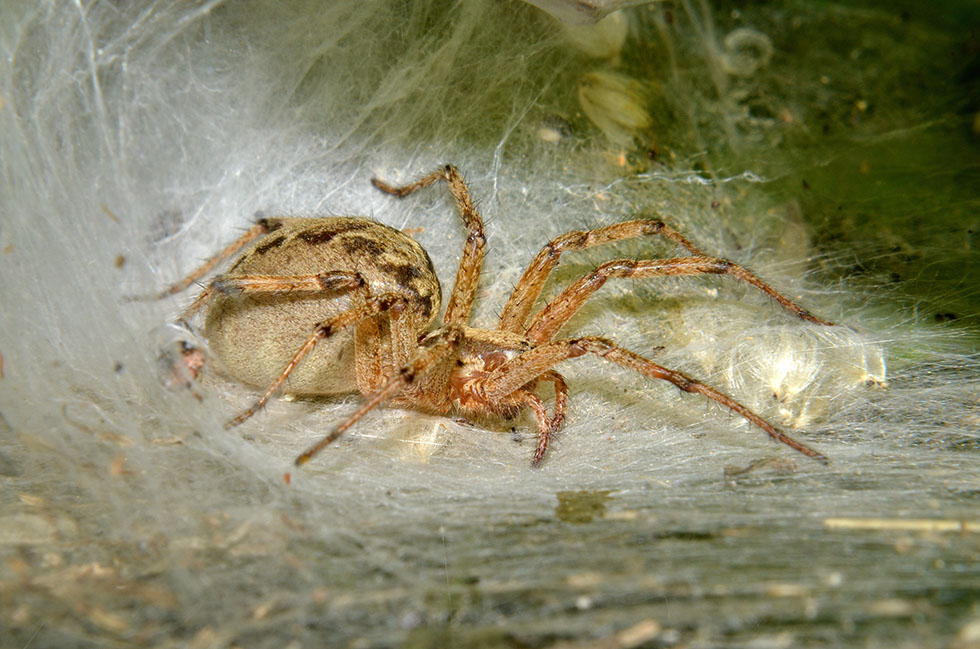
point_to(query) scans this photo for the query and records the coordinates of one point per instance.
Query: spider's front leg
(517, 372)
(544, 325)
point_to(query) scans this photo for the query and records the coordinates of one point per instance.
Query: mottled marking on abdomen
(389, 260)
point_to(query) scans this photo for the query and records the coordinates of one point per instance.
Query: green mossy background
(887, 163)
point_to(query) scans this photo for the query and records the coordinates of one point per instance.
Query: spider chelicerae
(331, 306)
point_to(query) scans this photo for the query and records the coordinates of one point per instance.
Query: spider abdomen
(253, 336)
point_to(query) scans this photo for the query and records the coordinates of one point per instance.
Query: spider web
(138, 139)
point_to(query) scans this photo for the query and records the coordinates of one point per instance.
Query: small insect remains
(340, 305)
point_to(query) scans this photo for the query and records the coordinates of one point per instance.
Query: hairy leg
(546, 323)
(264, 226)
(433, 349)
(544, 425)
(517, 372)
(328, 283)
(471, 261)
(561, 397)
(529, 287)
(372, 307)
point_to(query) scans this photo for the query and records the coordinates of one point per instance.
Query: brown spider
(337, 305)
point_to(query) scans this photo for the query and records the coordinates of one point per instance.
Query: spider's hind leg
(372, 307)
(261, 228)
(326, 283)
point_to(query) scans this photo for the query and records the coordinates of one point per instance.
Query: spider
(338, 305)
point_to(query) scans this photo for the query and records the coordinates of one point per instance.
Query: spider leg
(517, 372)
(329, 282)
(471, 261)
(561, 397)
(434, 348)
(544, 425)
(554, 315)
(373, 362)
(372, 306)
(264, 226)
(529, 287)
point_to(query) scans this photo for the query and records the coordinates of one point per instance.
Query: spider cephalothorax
(339, 305)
